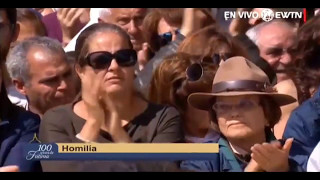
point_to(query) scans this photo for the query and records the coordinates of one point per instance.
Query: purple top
(53, 27)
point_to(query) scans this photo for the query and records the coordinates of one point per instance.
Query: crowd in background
(161, 75)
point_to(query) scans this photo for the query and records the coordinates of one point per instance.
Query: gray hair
(17, 62)
(105, 12)
(254, 32)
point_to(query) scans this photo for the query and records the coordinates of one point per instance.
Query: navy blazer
(304, 126)
(14, 135)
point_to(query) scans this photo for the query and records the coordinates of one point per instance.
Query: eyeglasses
(103, 59)
(244, 105)
(195, 71)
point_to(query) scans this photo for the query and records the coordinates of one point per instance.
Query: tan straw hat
(238, 76)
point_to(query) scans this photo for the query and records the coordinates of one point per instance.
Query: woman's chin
(238, 133)
(114, 89)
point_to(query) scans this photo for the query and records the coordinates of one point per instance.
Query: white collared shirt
(314, 160)
(17, 98)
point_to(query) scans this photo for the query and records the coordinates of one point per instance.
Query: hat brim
(203, 100)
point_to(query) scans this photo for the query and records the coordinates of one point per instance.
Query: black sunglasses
(103, 59)
(167, 37)
(195, 71)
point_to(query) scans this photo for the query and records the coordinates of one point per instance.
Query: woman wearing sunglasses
(174, 80)
(109, 110)
(244, 107)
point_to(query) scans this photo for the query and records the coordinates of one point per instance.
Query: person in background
(45, 11)
(161, 26)
(193, 20)
(240, 29)
(8, 35)
(30, 24)
(17, 127)
(9, 32)
(171, 85)
(275, 40)
(64, 23)
(71, 57)
(40, 71)
(130, 19)
(211, 41)
(303, 124)
(72, 20)
(285, 88)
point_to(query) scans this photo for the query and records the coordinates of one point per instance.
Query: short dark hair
(82, 44)
(11, 14)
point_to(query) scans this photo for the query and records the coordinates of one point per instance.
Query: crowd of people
(160, 75)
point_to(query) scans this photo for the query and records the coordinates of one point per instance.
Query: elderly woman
(244, 108)
(109, 109)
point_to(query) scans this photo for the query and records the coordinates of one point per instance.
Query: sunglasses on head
(103, 59)
(195, 71)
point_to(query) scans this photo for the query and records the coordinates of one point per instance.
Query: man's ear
(20, 86)
(100, 21)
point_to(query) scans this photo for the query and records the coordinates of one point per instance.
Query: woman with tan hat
(244, 107)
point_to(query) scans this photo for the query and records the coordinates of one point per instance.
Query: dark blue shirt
(14, 135)
(304, 126)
